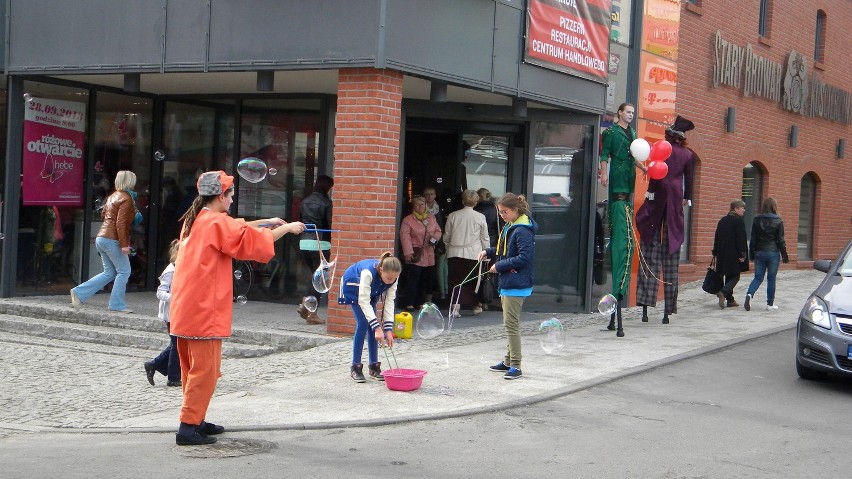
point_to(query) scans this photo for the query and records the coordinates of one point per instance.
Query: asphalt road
(739, 412)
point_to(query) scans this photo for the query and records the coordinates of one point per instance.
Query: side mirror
(822, 265)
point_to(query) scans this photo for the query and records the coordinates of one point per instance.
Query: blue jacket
(350, 287)
(515, 253)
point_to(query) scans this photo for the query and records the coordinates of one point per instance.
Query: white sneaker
(75, 301)
(771, 307)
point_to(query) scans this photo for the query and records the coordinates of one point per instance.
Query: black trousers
(731, 280)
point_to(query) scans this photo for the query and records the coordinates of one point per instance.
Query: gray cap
(213, 183)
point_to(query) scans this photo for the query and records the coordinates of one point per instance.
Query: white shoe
(771, 307)
(75, 301)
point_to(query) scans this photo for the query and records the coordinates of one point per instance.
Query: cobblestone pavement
(55, 383)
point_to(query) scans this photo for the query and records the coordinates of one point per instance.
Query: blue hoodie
(515, 254)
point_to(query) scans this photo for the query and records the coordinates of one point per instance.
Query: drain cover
(226, 447)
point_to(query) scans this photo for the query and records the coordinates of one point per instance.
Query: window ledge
(764, 41)
(819, 65)
(696, 9)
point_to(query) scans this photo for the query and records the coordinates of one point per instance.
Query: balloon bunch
(657, 154)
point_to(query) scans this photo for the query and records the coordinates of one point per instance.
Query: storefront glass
(560, 205)
(50, 226)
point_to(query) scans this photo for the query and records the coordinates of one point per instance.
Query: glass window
(752, 193)
(196, 138)
(763, 18)
(559, 203)
(807, 205)
(51, 234)
(819, 40)
(285, 135)
(122, 141)
(484, 163)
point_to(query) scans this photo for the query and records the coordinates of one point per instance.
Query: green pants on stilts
(621, 246)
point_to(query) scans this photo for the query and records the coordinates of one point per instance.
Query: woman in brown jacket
(113, 245)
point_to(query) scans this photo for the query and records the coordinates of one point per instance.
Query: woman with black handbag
(731, 252)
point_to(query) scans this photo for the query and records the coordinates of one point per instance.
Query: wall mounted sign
(570, 36)
(54, 136)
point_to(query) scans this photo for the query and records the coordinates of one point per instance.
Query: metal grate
(817, 355)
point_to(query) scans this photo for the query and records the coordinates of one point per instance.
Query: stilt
(644, 313)
(665, 318)
(619, 330)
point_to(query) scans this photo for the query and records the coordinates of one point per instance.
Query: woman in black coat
(731, 252)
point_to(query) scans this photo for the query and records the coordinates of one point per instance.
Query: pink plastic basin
(403, 379)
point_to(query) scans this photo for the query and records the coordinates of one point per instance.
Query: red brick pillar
(366, 172)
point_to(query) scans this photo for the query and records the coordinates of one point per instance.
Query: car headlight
(816, 312)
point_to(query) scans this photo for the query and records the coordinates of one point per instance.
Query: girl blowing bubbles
(362, 285)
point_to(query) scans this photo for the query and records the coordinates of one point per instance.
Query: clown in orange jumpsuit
(202, 293)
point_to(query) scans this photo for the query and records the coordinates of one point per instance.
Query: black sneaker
(747, 304)
(499, 367)
(512, 373)
(149, 371)
(194, 439)
(375, 370)
(357, 373)
(210, 429)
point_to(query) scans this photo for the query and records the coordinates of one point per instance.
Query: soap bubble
(2, 236)
(311, 303)
(551, 335)
(607, 305)
(323, 276)
(273, 171)
(238, 274)
(159, 155)
(27, 97)
(242, 299)
(252, 169)
(430, 321)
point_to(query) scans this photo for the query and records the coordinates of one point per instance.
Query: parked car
(824, 330)
(554, 154)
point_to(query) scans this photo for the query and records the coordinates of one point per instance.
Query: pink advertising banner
(54, 136)
(571, 36)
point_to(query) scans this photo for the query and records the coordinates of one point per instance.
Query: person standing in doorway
(767, 243)
(730, 249)
(660, 221)
(417, 236)
(618, 173)
(315, 209)
(113, 245)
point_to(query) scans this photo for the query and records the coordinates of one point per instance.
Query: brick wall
(366, 165)
(762, 126)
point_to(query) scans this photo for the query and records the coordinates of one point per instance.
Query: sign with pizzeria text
(570, 36)
(53, 163)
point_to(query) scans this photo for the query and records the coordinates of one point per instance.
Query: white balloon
(640, 149)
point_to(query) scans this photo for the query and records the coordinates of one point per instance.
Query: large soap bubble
(252, 169)
(311, 303)
(551, 335)
(430, 321)
(324, 276)
(607, 305)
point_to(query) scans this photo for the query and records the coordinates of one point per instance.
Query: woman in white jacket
(465, 235)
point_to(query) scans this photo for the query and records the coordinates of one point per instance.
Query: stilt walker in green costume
(620, 179)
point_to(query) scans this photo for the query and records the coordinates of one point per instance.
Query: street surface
(736, 412)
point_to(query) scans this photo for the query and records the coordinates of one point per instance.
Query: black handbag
(712, 280)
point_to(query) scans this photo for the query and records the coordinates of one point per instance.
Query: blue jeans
(765, 262)
(362, 331)
(116, 267)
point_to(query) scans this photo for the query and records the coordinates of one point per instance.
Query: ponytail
(389, 263)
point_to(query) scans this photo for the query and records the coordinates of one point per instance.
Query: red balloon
(660, 151)
(658, 170)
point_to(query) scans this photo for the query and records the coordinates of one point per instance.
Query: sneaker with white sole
(75, 301)
(512, 373)
(747, 304)
(499, 367)
(771, 307)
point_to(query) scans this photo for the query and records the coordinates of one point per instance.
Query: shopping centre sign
(740, 67)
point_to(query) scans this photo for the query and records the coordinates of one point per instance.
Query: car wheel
(805, 372)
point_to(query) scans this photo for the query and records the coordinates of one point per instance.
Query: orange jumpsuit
(202, 300)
